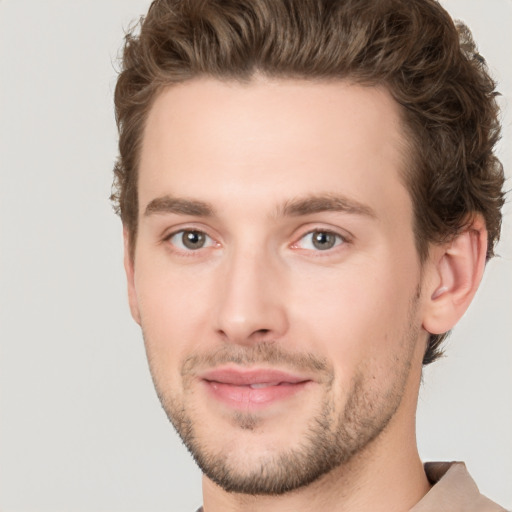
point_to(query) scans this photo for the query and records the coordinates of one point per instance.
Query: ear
(129, 267)
(457, 268)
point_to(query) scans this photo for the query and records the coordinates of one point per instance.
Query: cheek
(173, 308)
(354, 314)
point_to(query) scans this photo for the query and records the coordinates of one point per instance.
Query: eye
(190, 240)
(320, 240)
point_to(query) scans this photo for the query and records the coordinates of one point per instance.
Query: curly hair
(428, 63)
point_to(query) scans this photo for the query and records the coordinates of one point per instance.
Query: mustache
(267, 353)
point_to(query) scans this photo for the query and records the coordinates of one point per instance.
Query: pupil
(323, 241)
(193, 239)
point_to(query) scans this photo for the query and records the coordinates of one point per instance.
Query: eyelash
(187, 251)
(340, 241)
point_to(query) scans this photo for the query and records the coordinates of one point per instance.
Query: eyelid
(170, 231)
(188, 228)
(344, 237)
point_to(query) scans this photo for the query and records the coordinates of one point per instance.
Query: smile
(240, 388)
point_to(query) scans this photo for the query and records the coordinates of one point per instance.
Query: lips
(242, 388)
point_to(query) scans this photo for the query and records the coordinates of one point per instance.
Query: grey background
(80, 426)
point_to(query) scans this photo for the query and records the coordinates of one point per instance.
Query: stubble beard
(331, 438)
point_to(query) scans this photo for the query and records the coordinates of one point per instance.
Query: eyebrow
(180, 206)
(292, 208)
(323, 203)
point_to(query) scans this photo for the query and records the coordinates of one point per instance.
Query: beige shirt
(453, 491)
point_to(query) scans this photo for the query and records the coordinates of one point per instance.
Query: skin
(351, 319)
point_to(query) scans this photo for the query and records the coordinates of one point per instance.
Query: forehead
(270, 139)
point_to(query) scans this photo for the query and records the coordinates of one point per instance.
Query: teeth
(263, 385)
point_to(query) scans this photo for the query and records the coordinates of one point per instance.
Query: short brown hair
(429, 65)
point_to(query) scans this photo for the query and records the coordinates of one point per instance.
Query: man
(309, 195)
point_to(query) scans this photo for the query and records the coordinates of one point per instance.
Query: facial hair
(332, 437)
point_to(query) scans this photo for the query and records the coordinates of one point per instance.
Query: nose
(251, 303)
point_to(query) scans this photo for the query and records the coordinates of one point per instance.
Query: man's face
(275, 276)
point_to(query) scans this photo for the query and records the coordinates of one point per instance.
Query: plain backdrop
(81, 428)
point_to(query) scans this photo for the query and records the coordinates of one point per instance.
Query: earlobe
(130, 277)
(457, 269)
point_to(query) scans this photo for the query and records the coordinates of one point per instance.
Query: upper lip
(247, 377)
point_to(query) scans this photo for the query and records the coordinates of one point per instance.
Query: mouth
(255, 388)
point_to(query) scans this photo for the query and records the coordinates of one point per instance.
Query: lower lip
(247, 397)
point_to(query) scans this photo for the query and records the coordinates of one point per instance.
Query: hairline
(406, 143)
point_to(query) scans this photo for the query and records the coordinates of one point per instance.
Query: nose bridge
(250, 302)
